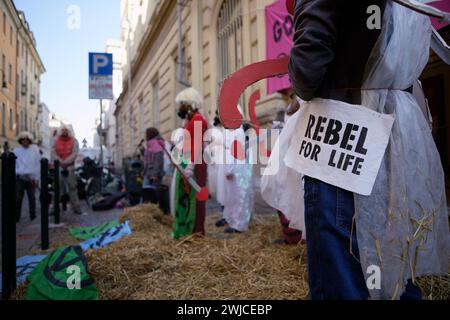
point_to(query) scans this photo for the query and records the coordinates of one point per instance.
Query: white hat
(190, 96)
(25, 135)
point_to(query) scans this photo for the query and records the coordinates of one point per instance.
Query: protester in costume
(291, 235)
(239, 193)
(402, 227)
(189, 212)
(215, 166)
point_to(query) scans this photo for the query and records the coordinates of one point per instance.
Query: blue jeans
(334, 272)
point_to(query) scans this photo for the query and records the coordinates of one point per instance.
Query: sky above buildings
(66, 31)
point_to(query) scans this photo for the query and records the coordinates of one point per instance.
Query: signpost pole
(101, 145)
(101, 67)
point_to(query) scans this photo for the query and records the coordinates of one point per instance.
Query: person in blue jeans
(334, 268)
(333, 47)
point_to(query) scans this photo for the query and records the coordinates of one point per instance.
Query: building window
(229, 39)
(3, 119)
(4, 23)
(17, 87)
(10, 119)
(10, 35)
(17, 123)
(3, 68)
(10, 73)
(155, 104)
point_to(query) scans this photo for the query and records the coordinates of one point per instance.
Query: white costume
(239, 194)
(284, 189)
(216, 175)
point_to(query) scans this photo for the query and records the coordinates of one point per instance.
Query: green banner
(185, 205)
(62, 275)
(86, 233)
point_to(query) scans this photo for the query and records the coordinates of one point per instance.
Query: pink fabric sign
(279, 40)
(443, 5)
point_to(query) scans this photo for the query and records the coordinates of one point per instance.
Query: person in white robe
(239, 193)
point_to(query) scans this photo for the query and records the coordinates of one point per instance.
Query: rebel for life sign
(100, 76)
(340, 144)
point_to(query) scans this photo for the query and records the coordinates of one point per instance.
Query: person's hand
(152, 179)
(189, 172)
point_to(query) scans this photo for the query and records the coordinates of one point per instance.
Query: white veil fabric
(281, 186)
(402, 227)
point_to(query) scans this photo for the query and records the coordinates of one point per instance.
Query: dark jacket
(332, 44)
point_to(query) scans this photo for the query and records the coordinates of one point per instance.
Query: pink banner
(279, 40)
(443, 5)
(280, 33)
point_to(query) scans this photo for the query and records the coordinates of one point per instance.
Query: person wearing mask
(27, 173)
(189, 101)
(65, 150)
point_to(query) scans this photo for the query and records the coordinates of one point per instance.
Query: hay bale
(144, 217)
(435, 288)
(149, 264)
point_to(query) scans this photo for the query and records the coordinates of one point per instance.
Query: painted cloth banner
(185, 206)
(62, 275)
(279, 40)
(340, 144)
(107, 237)
(85, 233)
(443, 5)
(24, 266)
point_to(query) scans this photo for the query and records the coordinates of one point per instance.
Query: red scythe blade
(236, 84)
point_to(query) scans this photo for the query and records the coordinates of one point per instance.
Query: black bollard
(44, 204)
(56, 193)
(8, 224)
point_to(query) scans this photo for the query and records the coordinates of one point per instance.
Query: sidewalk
(28, 233)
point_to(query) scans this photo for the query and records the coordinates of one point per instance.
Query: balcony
(32, 99)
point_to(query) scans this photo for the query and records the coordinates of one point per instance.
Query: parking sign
(100, 75)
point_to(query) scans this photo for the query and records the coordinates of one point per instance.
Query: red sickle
(235, 85)
(251, 109)
(254, 119)
(237, 150)
(202, 192)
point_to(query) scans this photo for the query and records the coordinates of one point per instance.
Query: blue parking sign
(100, 75)
(100, 64)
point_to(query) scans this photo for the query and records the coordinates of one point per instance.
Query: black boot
(221, 223)
(231, 230)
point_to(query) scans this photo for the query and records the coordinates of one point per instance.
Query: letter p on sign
(100, 64)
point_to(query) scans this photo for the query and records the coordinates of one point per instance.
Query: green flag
(86, 233)
(62, 275)
(185, 205)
